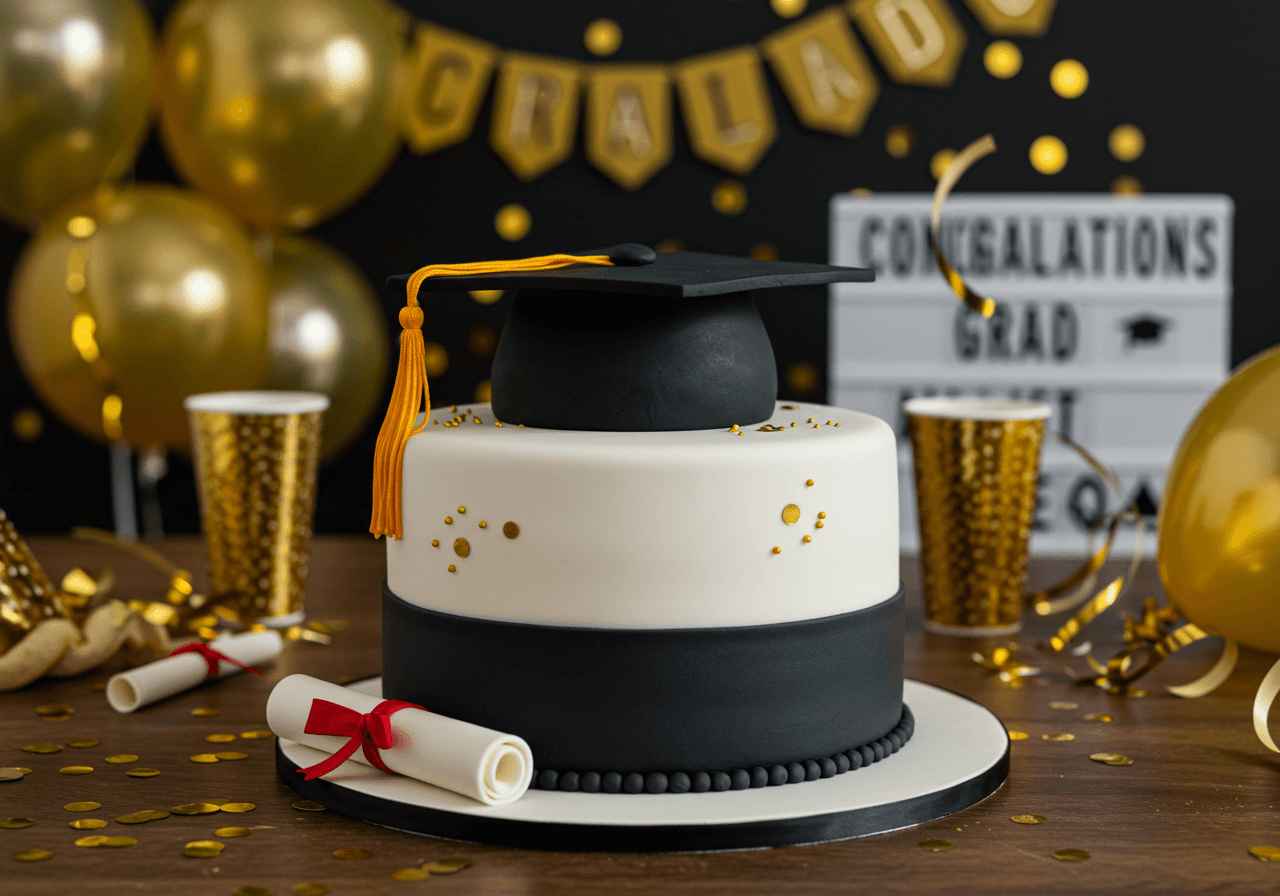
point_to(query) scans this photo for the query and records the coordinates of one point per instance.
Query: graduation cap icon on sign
(1146, 329)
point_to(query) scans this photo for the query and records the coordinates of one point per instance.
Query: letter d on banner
(535, 113)
(919, 42)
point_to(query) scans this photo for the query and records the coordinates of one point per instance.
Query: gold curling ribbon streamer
(411, 391)
(962, 162)
(1267, 692)
(1101, 601)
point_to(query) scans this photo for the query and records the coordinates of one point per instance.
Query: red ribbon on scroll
(212, 658)
(370, 731)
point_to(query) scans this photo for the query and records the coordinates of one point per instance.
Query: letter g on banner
(448, 75)
(919, 42)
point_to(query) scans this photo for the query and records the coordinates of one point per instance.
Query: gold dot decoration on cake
(1126, 142)
(777, 549)
(1126, 185)
(1002, 59)
(462, 508)
(435, 542)
(484, 525)
(791, 514)
(940, 162)
(899, 140)
(822, 514)
(486, 296)
(733, 428)
(808, 538)
(769, 427)
(512, 222)
(602, 37)
(818, 524)
(1069, 78)
(448, 521)
(461, 547)
(1048, 154)
(808, 482)
(729, 197)
(510, 529)
(435, 358)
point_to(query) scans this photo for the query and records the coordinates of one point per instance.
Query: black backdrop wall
(1200, 79)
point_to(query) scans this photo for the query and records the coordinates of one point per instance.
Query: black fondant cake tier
(653, 700)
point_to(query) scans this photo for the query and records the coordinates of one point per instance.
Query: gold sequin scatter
(238, 807)
(218, 802)
(202, 852)
(11, 774)
(352, 852)
(82, 807)
(42, 748)
(410, 874)
(195, 809)
(220, 738)
(92, 840)
(1265, 853)
(254, 891)
(121, 758)
(447, 866)
(510, 529)
(231, 832)
(33, 855)
(1063, 704)
(461, 547)
(87, 824)
(255, 735)
(55, 709)
(142, 817)
(76, 770)
(1028, 819)
(937, 845)
(205, 711)
(790, 514)
(1071, 855)
(231, 755)
(1098, 717)
(309, 890)
(1111, 758)
(119, 841)
(84, 743)
(203, 758)
(1018, 735)
(13, 824)
(1058, 737)
(142, 772)
(309, 806)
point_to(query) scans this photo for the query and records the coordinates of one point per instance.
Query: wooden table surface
(1201, 791)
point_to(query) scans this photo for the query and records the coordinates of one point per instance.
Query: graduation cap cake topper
(623, 339)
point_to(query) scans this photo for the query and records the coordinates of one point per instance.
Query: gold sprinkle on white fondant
(777, 550)
(808, 482)
(476, 420)
(810, 420)
(837, 424)
(452, 568)
(768, 427)
(435, 542)
(435, 422)
(733, 428)
(808, 538)
(510, 529)
(461, 509)
(790, 514)
(791, 407)
(461, 547)
(484, 525)
(739, 433)
(448, 521)
(499, 423)
(815, 426)
(453, 409)
(822, 514)
(818, 524)
(793, 423)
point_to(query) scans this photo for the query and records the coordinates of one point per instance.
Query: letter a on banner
(919, 42)
(726, 108)
(1013, 18)
(448, 73)
(825, 73)
(628, 121)
(535, 113)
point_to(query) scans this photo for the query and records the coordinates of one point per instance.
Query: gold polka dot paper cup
(256, 455)
(977, 464)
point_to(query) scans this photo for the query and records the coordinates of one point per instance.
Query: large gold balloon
(151, 294)
(1219, 554)
(285, 110)
(75, 97)
(326, 334)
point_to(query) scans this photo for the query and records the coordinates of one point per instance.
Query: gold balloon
(1219, 555)
(152, 294)
(75, 97)
(284, 110)
(326, 335)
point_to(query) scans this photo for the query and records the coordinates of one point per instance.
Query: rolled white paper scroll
(480, 763)
(138, 687)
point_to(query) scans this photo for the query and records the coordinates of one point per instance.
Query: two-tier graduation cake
(670, 584)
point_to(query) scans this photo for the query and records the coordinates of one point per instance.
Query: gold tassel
(411, 382)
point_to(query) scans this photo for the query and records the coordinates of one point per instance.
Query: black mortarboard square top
(655, 342)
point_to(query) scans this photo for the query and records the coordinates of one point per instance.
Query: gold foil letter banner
(1013, 18)
(628, 122)
(919, 42)
(726, 108)
(535, 112)
(448, 75)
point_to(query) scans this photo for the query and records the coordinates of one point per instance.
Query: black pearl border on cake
(733, 779)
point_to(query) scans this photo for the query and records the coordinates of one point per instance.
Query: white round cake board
(958, 756)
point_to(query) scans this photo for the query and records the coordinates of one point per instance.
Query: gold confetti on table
(447, 866)
(13, 824)
(121, 758)
(195, 809)
(76, 770)
(87, 824)
(1111, 758)
(231, 755)
(220, 738)
(86, 806)
(1071, 855)
(200, 849)
(218, 802)
(142, 772)
(205, 711)
(42, 748)
(120, 841)
(11, 774)
(1058, 737)
(937, 845)
(231, 832)
(238, 807)
(254, 891)
(92, 841)
(55, 709)
(1098, 717)
(142, 817)
(309, 890)
(309, 806)
(352, 852)
(25, 771)
(256, 735)
(204, 758)
(1028, 819)
(1063, 704)
(1265, 853)
(84, 743)
(410, 874)
(1018, 735)
(33, 855)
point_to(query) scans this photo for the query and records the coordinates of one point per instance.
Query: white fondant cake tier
(659, 530)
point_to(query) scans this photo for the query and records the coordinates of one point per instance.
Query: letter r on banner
(535, 112)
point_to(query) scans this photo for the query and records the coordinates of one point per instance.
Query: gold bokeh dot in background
(670, 244)
(436, 358)
(764, 252)
(81, 226)
(482, 340)
(1126, 142)
(483, 391)
(512, 222)
(940, 162)
(899, 140)
(802, 377)
(1069, 79)
(1003, 59)
(602, 37)
(729, 197)
(862, 192)
(789, 9)
(27, 424)
(487, 296)
(1048, 154)
(1126, 185)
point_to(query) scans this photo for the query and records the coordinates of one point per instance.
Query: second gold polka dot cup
(977, 466)
(256, 455)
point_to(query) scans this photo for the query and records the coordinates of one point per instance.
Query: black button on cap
(632, 254)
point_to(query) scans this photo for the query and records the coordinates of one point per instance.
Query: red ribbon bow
(212, 658)
(370, 731)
